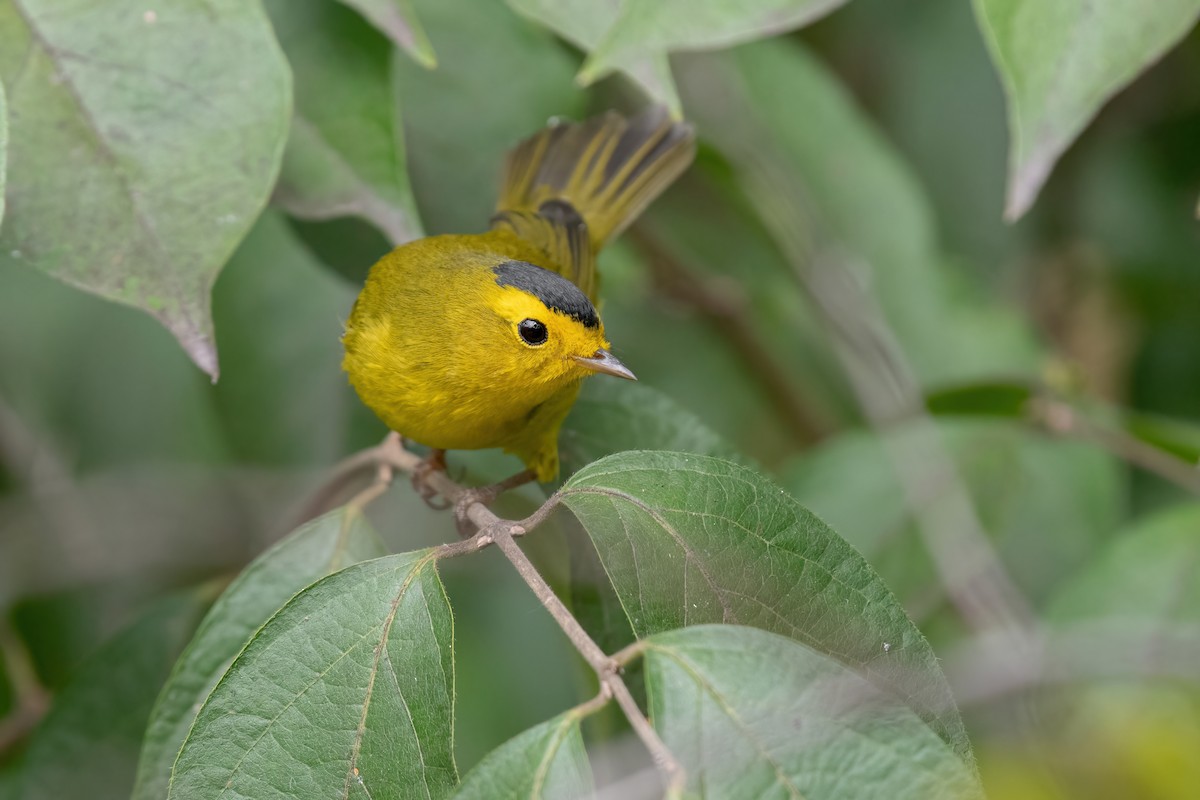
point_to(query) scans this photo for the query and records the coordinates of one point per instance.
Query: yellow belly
(423, 357)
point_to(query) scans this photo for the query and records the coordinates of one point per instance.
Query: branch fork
(390, 457)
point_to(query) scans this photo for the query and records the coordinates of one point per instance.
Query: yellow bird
(477, 341)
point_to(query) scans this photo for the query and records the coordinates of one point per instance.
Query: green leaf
(87, 745)
(143, 145)
(1150, 572)
(655, 27)
(345, 153)
(752, 714)
(329, 543)
(613, 416)
(1008, 399)
(399, 21)
(691, 539)
(348, 689)
(547, 761)
(487, 52)
(583, 23)
(1060, 62)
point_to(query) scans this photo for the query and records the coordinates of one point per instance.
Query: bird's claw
(434, 462)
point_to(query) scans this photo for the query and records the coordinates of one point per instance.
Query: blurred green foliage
(136, 156)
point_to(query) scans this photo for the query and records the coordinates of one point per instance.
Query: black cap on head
(558, 293)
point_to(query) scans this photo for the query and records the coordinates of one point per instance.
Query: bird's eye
(532, 332)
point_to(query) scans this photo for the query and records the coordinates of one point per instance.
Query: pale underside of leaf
(583, 23)
(134, 172)
(399, 21)
(646, 28)
(345, 151)
(343, 191)
(1060, 63)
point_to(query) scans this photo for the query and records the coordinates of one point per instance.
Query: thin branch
(341, 476)
(727, 309)
(390, 457)
(1060, 418)
(606, 668)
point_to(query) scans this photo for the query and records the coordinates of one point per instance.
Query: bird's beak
(607, 363)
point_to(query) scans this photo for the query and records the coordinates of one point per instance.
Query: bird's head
(553, 330)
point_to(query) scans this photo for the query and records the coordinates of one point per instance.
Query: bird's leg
(485, 495)
(434, 462)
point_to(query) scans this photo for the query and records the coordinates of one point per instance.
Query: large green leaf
(583, 23)
(456, 128)
(345, 153)
(87, 745)
(547, 761)
(1060, 62)
(752, 714)
(655, 27)
(613, 416)
(691, 539)
(329, 543)
(143, 144)
(348, 689)
(397, 19)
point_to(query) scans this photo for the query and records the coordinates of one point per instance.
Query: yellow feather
(435, 344)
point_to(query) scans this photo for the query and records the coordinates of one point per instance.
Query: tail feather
(607, 168)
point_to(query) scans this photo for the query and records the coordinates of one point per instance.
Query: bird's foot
(434, 462)
(484, 495)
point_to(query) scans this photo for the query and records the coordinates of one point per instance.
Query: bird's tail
(607, 168)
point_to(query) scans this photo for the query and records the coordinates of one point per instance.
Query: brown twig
(390, 456)
(1060, 418)
(606, 668)
(727, 309)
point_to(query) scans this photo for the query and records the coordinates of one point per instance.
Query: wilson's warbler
(481, 340)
